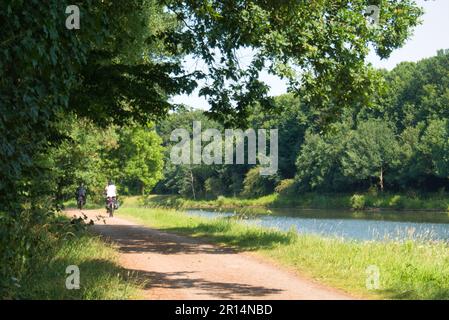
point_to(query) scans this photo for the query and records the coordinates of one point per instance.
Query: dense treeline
(131, 157)
(76, 105)
(400, 143)
(56, 85)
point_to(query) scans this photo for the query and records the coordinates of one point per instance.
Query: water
(347, 224)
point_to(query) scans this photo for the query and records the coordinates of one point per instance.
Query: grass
(128, 200)
(174, 201)
(89, 204)
(101, 277)
(432, 202)
(408, 270)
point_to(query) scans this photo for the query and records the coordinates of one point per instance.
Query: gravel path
(177, 267)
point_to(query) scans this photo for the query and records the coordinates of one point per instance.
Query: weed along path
(178, 267)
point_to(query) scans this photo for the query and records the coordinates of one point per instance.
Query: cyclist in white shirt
(111, 195)
(111, 190)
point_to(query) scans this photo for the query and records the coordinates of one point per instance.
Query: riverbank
(101, 276)
(407, 270)
(410, 202)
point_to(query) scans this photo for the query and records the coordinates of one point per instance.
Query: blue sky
(430, 36)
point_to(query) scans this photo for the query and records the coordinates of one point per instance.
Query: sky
(426, 40)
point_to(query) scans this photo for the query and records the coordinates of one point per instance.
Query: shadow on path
(186, 279)
(136, 239)
(141, 240)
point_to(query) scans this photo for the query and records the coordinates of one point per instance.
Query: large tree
(434, 147)
(318, 163)
(371, 151)
(140, 157)
(319, 46)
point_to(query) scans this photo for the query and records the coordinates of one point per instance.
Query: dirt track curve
(177, 267)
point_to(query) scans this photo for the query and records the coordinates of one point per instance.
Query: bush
(373, 191)
(286, 187)
(256, 185)
(220, 201)
(24, 242)
(358, 202)
(213, 187)
(28, 242)
(397, 202)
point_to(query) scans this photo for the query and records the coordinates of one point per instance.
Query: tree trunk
(381, 179)
(191, 183)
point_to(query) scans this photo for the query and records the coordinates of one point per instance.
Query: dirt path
(179, 267)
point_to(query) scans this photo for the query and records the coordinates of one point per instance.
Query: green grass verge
(89, 204)
(435, 202)
(408, 270)
(125, 200)
(101, 277)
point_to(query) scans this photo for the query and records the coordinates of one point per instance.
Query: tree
(318, 163)
(256, 185)
(290, 118)
(140, 157)
(326, 41)
(85, 156)
(434, 146)
(417, 91)
(371, 151)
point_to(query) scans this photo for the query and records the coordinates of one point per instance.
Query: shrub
(213, 187)
(221, 201)
(179, 202)
(256, 185)
(373, 191)
(412, 194)
(358, 202)
(396, 202)
(28, 242)
(286, 187)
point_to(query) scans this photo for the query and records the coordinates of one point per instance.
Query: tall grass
(101, 277)
(408, 269)
(89, 204)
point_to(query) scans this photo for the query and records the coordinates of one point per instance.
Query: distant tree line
(399, 143)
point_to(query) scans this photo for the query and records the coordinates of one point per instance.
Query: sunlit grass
(89, 204)
(437, 201)
(101, 277)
